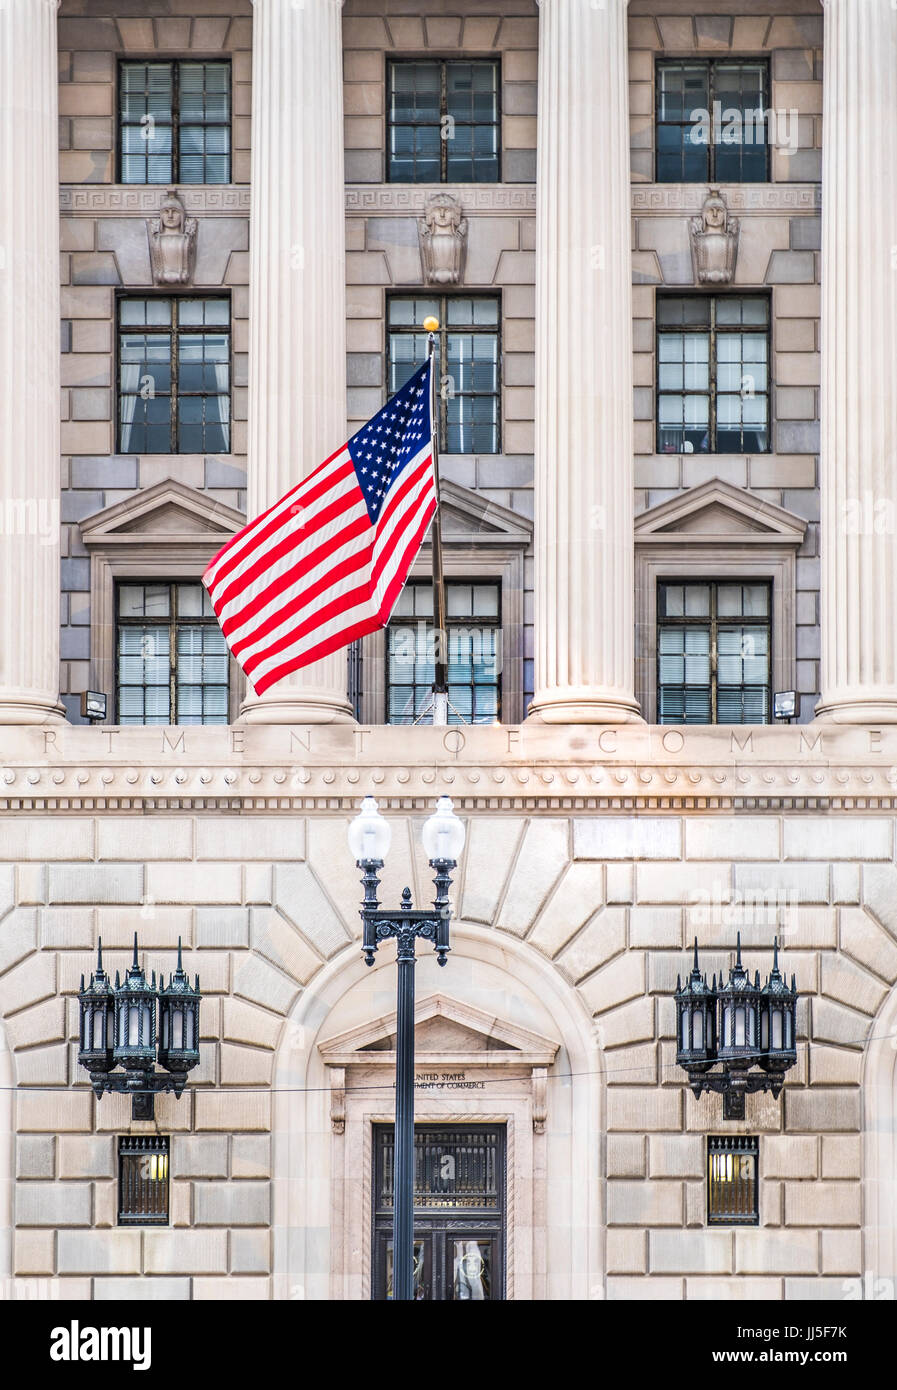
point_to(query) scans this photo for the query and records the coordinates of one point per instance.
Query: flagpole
(440, 683)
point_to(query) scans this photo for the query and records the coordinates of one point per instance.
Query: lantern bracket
(142, 1087)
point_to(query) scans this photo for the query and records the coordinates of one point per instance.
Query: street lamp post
(369, 840)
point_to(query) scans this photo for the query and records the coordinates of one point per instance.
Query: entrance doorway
(459, 1212)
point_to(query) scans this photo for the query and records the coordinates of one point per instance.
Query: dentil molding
(528, 768)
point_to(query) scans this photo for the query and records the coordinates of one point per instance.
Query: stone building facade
(603, 833)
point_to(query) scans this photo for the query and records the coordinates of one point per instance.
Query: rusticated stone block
(99, 1252)
(185, 1252)
(762, 1251)
(86, 1156)
(115, 1290)
(232, 1203)
(690, 1252)
(644, 1203)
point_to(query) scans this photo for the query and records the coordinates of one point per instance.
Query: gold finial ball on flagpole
(431, 323)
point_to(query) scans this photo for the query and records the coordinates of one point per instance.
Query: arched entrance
(7, 1140)
(512, 1031)
(880, 1156)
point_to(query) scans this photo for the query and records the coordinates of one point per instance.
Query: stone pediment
(469, 518)
(446, 1033)
(168, 512)
(718, 512)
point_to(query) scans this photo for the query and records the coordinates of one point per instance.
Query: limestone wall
(601, 900)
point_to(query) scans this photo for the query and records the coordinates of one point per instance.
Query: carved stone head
(172, 241)
(172, 213)
(714, 241)
(442, 233)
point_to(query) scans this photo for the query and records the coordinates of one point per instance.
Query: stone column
(859, 334)
(29, 364)
(584, 472)
(297, 289)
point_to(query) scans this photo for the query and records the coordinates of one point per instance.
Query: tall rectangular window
(713, 653)
(143, 1180)
(174, 376)
(468, 365)
(712, 374)
(473, 653)
(172, 661)
(174, 122)
(711, 121)
(732, 1186)
(443, 121)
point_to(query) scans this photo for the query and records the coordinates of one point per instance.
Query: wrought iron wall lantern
(122, 1025)
(740, 1025)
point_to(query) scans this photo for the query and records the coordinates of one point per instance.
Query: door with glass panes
(459, 1212)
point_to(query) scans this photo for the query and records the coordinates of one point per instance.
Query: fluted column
(29, 364)
(859, 340)
(584, 475)
(297, 291)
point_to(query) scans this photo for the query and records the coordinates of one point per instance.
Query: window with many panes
(712, 374)
(732, 1186)
(468, 361)
(713, 652)
(171, 657)
(443, 121)
(711, 121)
(473, 653)
(174, 376)
(174, 122)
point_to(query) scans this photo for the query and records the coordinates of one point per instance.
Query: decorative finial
(136, 961)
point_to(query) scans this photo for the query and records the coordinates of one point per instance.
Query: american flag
(327, 562)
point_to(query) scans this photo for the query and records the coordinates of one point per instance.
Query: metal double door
(459, 1219)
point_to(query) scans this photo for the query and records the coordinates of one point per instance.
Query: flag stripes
(325, 564)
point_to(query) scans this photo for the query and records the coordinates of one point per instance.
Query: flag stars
(385, 445)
